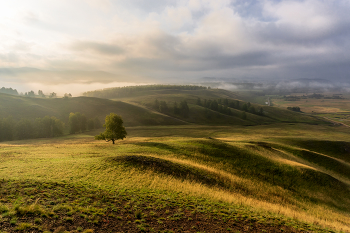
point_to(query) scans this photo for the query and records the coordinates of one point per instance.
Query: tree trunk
(113, 141)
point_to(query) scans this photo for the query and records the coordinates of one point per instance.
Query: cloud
(176, 40)
(98, 47)
(48, 77)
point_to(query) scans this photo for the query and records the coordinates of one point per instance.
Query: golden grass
(316, 105)
(80, 159)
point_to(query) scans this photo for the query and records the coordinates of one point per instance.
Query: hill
(25, 107)
(201, 114)
(138, 108)
(186, 178)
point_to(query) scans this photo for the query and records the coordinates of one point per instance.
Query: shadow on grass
(176, 170)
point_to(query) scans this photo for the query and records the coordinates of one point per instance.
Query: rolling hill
(206, 171)
(137, 108)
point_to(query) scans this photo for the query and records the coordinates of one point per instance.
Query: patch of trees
(78, 123)
(133, 90)
(292, 98)
(46, 127)
(295, 109)
(8, 91)
(180, 109)
(224, 106)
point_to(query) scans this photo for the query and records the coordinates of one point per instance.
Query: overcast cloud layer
(59, 42)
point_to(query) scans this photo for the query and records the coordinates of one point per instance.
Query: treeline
(8, 91)
(32, 93)
(132, 90)
(224, 106)
(180, 109)
(46, 127)
(295, 109)
(78, 123)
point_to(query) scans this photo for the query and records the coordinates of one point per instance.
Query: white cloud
(310, 18)
(171, 39)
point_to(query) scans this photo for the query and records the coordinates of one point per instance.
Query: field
(334, 109)
(189, 178)
(209, 170)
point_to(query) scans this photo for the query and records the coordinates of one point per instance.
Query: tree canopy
(114, 129)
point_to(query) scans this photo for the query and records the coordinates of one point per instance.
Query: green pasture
(190, 177)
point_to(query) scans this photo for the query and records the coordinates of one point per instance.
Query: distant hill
(146, 96)
(137, 107)
(31, 108)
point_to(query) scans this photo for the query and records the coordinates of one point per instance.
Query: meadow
(187, 178)
(218, 167)
(334, 109)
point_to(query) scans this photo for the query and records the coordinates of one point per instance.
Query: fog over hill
(294, 85)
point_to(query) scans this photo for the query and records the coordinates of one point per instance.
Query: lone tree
(114, 129)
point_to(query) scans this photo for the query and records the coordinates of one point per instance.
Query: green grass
(137, 110)
(31, 108)
(176, 177)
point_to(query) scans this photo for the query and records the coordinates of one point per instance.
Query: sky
(78, 45)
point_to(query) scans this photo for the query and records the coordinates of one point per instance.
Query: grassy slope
(19, 107)
(272, 115)
(246, 179)
(138, 109)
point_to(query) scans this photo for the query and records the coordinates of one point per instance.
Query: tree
(90, 124)
(66, 96)
(77, 122)
(97, 123)
(185, 110)
(53, 95)
(163, 107)
(114, 129)
(176, 109)
(252, 109)
(41, 94)
(73, 123)
(24, 129)
(261, 112)
(156, 104)
(31, 94)
(7, 129)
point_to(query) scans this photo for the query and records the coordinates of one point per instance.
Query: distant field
(334, 109)
(189, 178)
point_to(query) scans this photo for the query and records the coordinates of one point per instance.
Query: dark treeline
(180, 109)
(46, 127)
(224, 106)
(132, 90)
(32, 93)
(295, 109)
(78, 123)
(8, 91)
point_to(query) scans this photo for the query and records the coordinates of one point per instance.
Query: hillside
(138, 108)
(186, 178)
(197, 169)
(147, 95)
(31, 108)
